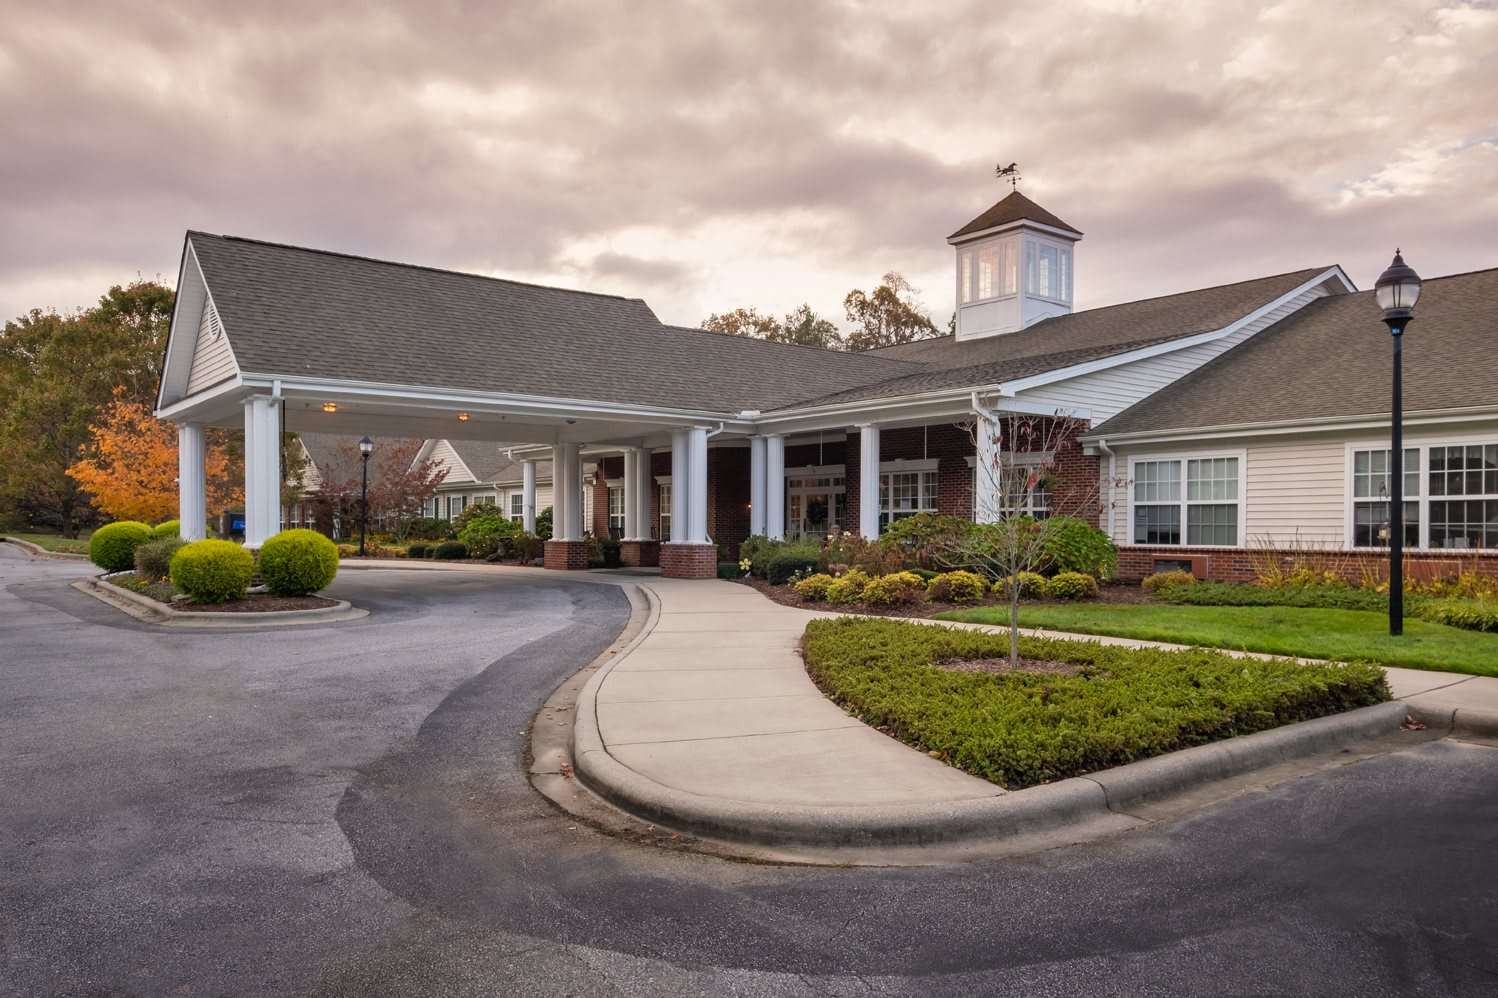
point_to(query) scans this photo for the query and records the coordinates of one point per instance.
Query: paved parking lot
(342, 810)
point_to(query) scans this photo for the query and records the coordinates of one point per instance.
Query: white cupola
(1014, 268)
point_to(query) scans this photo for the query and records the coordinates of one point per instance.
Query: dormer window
(1047, 271)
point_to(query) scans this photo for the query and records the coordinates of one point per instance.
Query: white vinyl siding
(212, 358)
(445, 458)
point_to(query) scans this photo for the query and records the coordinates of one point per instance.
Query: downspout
(1102, 445)
(710, 434)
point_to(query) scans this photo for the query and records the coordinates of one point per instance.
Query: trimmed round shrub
(957, 587)
(112, 547)
(730, 570)
(298, 563)
(212, 571)
(895, 589)
(416, 551)
(783, 566)
(1165, 580)
(171, 528)
(153, 559)
(1032, 585)
(848, 587)
(814, 587)
(450, 551)
(1073, 585)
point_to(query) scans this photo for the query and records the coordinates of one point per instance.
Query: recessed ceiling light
(462, 417)
(330, 407)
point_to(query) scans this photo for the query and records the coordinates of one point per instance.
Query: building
(1217, 422)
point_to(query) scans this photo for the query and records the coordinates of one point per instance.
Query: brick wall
(728, 497)
(566, 555)
(689, 561)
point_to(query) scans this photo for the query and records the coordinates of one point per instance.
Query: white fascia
(951, 402)
(1429, 417)
(186, 406)
(459, 400)
(1049, 230)
(1171, 346)
(173, 344)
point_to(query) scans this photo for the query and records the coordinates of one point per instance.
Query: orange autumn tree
(131, 465)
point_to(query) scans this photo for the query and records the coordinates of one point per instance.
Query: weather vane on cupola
(1009, 173)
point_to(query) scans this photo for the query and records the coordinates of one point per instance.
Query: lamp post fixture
(365, 446)
(1397, 290)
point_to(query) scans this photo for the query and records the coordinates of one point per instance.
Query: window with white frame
(906, 493)
(665, 518)
(1202, 495)
(1464, 496)
(988, 270)
(483, 500)
(616, 511)
(517, 506)
(1370, 497)
(455, 505)
(1047, 270)
(1026, 485)
(964, 276)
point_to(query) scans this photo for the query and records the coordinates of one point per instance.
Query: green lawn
(1345, 635)
(56, 542)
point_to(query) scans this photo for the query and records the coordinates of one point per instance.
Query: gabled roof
(1068, 340)
(1332, 359)
(336, 455)
(485, 459)
(300, 312)
(1014, 208)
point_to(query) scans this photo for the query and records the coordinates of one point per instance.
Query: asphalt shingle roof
(1333, 358)
(292, 311)
(1072, 339)
(1013, 208)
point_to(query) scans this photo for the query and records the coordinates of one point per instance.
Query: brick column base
(566, 555)
(689, 561)
(640, 554)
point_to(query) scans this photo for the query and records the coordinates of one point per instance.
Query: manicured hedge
(171, 528)
(1019, 729)
(895, 589)
(112, 546)
(212, 571)
(958, 587)
(450, 551)
(780, 567)
(153, 559)
(1468, 614)
(298, 563)
(1339, 597)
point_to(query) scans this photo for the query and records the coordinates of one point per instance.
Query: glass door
(814, 505)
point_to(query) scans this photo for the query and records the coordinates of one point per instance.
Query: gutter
(1373, 422)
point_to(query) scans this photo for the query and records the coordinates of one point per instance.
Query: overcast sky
(707, 156)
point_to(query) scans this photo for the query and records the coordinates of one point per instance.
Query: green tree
(892, 313)
(808, 329)
(57, 372)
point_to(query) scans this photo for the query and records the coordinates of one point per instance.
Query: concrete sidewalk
(708, 722)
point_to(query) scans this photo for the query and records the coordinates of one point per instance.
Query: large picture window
(1202, 495)
(1464, 496)
(906, 493)
(1370, 497)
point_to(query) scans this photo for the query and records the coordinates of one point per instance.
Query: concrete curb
(1105, 796)
(36, 551)
(146, 609)
(1462, 722)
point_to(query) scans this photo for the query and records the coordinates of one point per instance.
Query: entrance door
(814, 505)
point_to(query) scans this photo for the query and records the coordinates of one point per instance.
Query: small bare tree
(1021, 500)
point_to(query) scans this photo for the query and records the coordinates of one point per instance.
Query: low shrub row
(908, 588)
(1468, 614)
(1329, 597)
(1018, 729)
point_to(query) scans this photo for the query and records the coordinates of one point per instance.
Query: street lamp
(1397, 290)
(365, 446)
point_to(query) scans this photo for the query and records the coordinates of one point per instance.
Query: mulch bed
(262, 603)
(786, 596)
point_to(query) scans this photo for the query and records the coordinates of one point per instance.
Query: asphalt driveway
(342, 810)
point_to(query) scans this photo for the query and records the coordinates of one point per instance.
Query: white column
(563, 492)
(638, 497)
(757, 486)
(192, 482)
(528, 496)
(697, 501)
(987, 497)
(577, 502)
(868, 481)
(262, 471)
(631, 472)
(775, 487)
(681, 477)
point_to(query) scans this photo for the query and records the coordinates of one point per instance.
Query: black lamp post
(1397, 290)
(365, 446)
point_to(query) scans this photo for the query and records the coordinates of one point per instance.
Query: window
(1370, 497)
(1026, 489)
(665, 530)
(964, 276)
(1464, 496)
(483, 500)
(1047, 271)
(616, 511)
(517, 506)
(906, 493)
(455, 505)
(1209, 505)
(989, 270)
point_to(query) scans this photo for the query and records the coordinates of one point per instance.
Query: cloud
(711, 155)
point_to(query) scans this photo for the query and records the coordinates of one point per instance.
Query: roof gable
(1009, 210)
